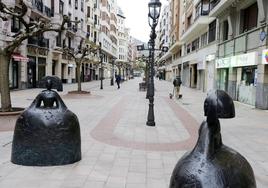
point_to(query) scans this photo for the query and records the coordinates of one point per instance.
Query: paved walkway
(120, 151)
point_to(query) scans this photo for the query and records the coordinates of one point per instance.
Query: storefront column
(23, 69)
(262, 87)
(232, 83)
(49, 64)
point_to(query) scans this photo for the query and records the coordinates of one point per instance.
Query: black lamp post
(153, 16)
(112, 77)
(101, 70)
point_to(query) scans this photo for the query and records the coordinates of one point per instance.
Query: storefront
(244, 75)
(193, 75)
(186, 74)
(201, 75)
(14, 70)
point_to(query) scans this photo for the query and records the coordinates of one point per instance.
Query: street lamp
(153, 16)
(112, 77)
(101, 70)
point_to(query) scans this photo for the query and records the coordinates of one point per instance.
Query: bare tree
(79, 56)
(30, 29)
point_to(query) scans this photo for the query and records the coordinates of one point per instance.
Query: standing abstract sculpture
(211, 164)
(47, 133)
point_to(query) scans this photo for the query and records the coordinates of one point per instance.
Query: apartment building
(108, 35)
(93, 30)
(42, 55)
(164, 39)
(123, 46)
(241, 63)
(198, 37)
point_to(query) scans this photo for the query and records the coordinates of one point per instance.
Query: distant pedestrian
(118, 80)
(177, 84)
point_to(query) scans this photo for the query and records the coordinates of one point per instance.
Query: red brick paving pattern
(103, 132)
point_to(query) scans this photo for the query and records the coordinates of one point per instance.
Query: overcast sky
(136, 13)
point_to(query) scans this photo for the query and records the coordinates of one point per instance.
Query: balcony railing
(213, 3)
(39, 42)
(39, 5)
(242, 43)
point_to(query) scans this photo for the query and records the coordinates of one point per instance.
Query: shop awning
(18, 57)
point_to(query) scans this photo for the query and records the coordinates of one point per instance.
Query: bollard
(211, 164)
(47, 133)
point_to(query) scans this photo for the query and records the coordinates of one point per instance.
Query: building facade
(222, 44)
(241, 64)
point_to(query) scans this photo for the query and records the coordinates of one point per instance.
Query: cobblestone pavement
(120, 151)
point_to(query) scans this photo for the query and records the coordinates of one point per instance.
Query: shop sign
(210, 57)
(201, 65)
(244, 60)
(265, 57)
(223, 63)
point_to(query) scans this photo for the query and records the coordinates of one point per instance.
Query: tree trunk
(78, 74)
(4, 82)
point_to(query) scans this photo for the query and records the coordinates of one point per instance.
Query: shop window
(249, 17)
(248, 75)
(225, 30)
(212, 32)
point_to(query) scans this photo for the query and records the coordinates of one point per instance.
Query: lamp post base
(150, 123)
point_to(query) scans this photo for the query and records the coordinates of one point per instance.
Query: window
(88, 12)
(189, 21)
(95, 19)
(195, 44)
(15, 25)
(76, 4)
(249, 17)
(82, 24)
(248, 75)
(225, 30)
(204, 40)
(88, 30)
(61, 5)
(188, 48)
(82, 5)
(212, 32)
(58, 40)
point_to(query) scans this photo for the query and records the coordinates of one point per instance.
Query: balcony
(39, 7)
(199, 24)
(243, 43)
(218, 6)
(40, 42)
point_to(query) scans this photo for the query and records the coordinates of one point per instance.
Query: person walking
(177, 84)
(118, 80)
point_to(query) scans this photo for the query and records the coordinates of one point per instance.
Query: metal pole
(112, 78)
(150, 117)
(101, 74)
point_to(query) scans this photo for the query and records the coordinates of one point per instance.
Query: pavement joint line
(7, 144)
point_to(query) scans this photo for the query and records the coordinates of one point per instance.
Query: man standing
(177, 84)
(118, 80)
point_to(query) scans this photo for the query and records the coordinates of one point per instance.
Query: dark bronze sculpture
(211, 164)
(55, 81)
(47, 133)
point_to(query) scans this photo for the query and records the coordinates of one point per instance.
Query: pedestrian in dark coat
(118, 80)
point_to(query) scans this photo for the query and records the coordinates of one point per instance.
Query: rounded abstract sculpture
(211, 164)
(47, 133)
